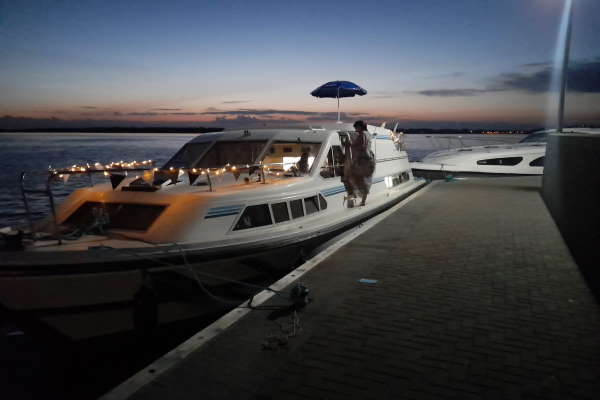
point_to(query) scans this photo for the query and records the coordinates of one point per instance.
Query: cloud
(582, 77)
(236, 101)
(143, 114)
(332, 116)
(449, 75)
(165, 109)
(250, 111)
(452, 92)
(385, 95)
(89, 107)
(536, 64)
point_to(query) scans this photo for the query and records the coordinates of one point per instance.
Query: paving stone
(478, 298)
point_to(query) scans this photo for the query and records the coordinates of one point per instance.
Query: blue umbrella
(337, 89)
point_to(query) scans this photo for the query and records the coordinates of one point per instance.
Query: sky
(426, 63)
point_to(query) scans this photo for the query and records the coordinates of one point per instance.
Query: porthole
(506, 161)
(538, 162)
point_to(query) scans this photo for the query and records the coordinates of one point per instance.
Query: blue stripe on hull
(221, 215)
(223, 211)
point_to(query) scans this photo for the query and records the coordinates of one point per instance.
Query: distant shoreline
(420, 131)
(118, 130)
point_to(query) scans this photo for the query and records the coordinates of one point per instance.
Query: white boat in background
(523, 158)
(222, 196)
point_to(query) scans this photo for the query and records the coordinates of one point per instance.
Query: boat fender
(449, 178)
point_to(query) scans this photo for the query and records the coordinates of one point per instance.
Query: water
(35, 152)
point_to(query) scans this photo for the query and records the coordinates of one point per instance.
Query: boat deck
(476, 297)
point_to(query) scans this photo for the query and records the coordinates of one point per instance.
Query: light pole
(565, 65)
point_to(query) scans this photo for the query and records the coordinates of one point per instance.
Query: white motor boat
(223, 196)
(523, 158)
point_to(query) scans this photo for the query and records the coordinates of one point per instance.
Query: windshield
(187, 156)
(536, 137)
(234, 153)
(291, 155)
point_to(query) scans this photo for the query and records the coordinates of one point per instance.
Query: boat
(230, 196)
(523, 158)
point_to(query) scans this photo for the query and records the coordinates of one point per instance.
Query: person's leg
(363, 198)
(364, 187)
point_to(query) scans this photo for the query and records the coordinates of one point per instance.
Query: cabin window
(293, 159)
(187, 156)
(136, 217)
(311, 204)
(280, 212)
(508, 161)
(322, 202)
(334, 163)
(538, 162)
(296, 207)
(235, 153)
(253, 217)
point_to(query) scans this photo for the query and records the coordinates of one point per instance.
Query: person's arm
(364, 141)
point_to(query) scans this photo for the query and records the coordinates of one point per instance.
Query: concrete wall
(571, 191)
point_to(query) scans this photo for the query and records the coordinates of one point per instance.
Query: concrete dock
(471, 294)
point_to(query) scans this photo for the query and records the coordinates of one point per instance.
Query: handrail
(47, 192)
(459, 138)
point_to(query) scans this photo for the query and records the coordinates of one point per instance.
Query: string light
(123, 167)
(96, 167)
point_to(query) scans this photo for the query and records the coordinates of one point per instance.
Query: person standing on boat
(301, 166)
(360, 163)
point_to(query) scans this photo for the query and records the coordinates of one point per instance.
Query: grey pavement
(477, 297)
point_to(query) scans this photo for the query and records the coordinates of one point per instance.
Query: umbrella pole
(338, 99)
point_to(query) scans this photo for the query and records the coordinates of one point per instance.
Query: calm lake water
(35, 152)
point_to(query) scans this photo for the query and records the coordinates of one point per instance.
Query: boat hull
(432, 174)
(108, 292)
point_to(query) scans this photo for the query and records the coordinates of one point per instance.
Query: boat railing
(46, 191)
(53, 175)
(264, 170)
(447, 142)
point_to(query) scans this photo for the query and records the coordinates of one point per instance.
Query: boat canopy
(280, 149)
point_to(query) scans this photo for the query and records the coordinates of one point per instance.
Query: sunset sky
(434, 63)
